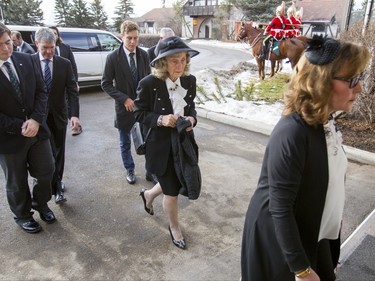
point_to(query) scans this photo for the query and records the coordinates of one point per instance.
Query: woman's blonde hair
(160, 70)
(310, 88)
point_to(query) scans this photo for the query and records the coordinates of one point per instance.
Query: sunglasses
(354, 80)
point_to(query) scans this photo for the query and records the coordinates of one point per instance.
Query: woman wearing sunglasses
(292, 226)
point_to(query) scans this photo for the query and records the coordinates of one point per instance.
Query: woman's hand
(192, 121)
(311, 277)
(169, 120)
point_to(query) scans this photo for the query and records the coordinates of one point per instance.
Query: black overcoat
(282, 223)
(153, 100)
(118, 83)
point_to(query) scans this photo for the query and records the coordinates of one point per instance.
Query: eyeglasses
(354, 80)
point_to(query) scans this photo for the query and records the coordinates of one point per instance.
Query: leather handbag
(138, 140)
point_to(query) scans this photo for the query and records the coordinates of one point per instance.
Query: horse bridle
(256, 39)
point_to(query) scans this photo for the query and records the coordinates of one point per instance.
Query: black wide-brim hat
(170, 46)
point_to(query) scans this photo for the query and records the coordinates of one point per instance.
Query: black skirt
(169, 182)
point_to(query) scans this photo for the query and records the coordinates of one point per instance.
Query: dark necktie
(133, 68)
(13, 80)
(47, 75)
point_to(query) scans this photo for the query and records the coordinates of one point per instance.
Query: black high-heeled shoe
(178, 243)
(148, 210)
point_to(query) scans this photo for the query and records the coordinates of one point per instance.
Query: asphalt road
(216, 57)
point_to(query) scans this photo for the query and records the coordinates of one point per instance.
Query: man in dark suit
(59, 78)
(24, 144)
(21, 46)
(164, 33)
(120, 82)
(65, 51)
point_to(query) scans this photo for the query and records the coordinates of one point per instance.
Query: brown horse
(289, 48)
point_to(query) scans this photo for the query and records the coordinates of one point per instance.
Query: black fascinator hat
(170, 46)
(321, 50)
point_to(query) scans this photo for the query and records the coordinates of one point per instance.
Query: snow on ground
(255, 111)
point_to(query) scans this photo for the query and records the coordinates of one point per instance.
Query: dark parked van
(90, 48)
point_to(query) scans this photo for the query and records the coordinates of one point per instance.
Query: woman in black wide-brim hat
(165, 103)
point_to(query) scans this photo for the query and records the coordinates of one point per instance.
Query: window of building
(199, 3)
(206, 2)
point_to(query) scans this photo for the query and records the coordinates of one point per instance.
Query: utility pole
(367, 16)
(1, 15)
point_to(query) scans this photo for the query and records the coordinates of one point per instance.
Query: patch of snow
(249, 110)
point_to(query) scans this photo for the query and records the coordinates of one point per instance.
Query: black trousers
(58, 140)
(36, 159)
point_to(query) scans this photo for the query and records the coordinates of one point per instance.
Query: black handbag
(138, 140)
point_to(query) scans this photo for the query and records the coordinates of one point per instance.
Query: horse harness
(256, 40)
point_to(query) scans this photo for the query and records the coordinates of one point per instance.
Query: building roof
(157, 15)
(324, 10)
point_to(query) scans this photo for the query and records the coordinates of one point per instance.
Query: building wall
(209, 27)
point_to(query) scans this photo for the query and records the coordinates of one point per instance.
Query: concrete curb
(367, 227)
(352, 153)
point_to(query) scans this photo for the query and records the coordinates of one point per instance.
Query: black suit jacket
(63, 81)
(13, 112)
(66, 52)
(151, 53)
(118, 83)
(26, 48)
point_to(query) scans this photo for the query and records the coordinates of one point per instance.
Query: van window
(80, 42)
(89, 42)
(108, 42)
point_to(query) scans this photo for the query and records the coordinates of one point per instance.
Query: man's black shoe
(30, 225)
(59, 194)
(151, 177)
(47, 215)
(59, 197)
(130, 177)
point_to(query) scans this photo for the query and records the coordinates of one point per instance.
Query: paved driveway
(103, 233)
